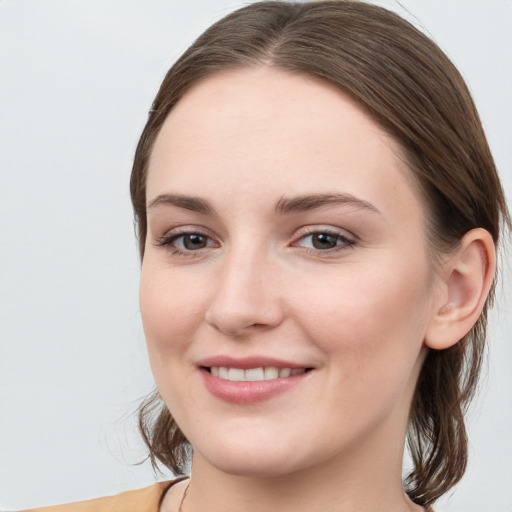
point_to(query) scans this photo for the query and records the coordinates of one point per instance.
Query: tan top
(142, 500)
(147, 499)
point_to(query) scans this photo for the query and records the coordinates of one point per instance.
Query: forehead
(266, 129)
(254, 102)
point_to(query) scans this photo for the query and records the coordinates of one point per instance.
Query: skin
(357, 314)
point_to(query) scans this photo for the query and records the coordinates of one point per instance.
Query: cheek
(371, 330)
(371, 318)
(171, 310)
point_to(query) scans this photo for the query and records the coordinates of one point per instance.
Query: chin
(266, 458)
(252, 467)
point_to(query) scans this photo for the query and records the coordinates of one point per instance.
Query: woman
(318, 213)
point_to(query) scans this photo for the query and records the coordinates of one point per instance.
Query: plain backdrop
(77, 78)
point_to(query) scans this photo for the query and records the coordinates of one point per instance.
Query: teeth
(271, 373)
(285, 372)
(236, 374)
(254, 374)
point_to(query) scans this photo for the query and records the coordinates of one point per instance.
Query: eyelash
(344, 244)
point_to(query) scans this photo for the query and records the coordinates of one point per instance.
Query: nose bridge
(245, 292)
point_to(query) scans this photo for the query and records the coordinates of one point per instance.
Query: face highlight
(286, 286)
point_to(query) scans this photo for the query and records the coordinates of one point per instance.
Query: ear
(465, 280)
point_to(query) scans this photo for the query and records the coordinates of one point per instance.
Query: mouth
(261, 373)
(251, 380)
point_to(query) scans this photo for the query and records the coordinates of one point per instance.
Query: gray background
(77, 78)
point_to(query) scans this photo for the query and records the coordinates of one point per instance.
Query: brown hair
(412, 90)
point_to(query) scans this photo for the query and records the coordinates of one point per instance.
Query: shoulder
(141, 500)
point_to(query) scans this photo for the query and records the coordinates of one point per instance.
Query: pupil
(324, 241)
(194, 242)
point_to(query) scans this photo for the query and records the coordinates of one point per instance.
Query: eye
(186, 243)
(191, 241)
(324, 241)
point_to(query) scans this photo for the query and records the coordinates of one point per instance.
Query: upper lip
(245, 363)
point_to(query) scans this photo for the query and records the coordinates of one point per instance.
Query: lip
(249, 392)
(246, 363)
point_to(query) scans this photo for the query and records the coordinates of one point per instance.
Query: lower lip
(249, 392)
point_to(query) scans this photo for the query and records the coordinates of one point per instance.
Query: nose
(246, 295)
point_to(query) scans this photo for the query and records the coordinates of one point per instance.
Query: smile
(251, 380)
(254, 374)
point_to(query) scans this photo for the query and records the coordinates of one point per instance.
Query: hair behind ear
(450, 372)
(438, 414)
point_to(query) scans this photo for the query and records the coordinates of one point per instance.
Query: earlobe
(466, 278)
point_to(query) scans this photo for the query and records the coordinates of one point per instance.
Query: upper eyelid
(309, 230)
(185, 230)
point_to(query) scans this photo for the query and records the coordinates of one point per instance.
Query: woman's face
(285, 244)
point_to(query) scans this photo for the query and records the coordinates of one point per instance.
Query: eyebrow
(196, 204)
(283, 206)
(313, 201)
